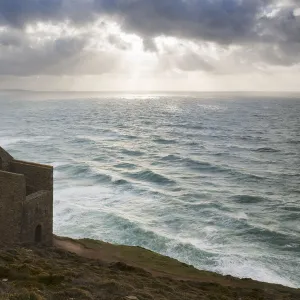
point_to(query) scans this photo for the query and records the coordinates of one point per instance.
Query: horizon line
(146, 91)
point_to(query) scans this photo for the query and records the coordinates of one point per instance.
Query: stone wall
(38, 207)
(38, 177)
(5, 160)
(38, 211)
(26, 201)
(12, 196)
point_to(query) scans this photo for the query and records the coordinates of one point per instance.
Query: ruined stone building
(26, 202)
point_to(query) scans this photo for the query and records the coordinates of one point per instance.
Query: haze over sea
(210, 179)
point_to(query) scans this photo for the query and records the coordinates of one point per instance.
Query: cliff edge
(89, 269)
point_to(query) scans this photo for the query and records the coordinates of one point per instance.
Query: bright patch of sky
(150, 45)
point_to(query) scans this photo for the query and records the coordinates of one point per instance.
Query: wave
(201, 165)
(197, 127)
(266, 149)
(247, 199)
(171, 157)
(194, 164)
(85, 171)
(132, 152)
(175, 125)
(133, 233)
(98, 177)
(74, 169)
(102, 178)
(7, 141)
(125, 166)
(202, 255)
(100, 158)
(189, 126)
(130, 137)
(253, 138)
(83, 140)
(243, 176)
(207, 167)
(294, 142)
(150, 176)
(194, 144)
(120, 182)
(164, 141)
(295, 209)
(276, 238)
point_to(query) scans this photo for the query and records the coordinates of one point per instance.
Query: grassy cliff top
(88, 269)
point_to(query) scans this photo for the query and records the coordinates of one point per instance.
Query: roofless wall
(26, 201)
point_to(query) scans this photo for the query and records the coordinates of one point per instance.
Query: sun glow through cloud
(115, 50)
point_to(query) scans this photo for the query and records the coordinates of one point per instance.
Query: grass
(147, 259)
(55, 274)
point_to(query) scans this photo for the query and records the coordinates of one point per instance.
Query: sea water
(212, 180)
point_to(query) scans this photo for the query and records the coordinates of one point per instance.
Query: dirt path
(80, 250)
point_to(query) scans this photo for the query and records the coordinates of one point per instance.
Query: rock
(131, 298)
(5, 280)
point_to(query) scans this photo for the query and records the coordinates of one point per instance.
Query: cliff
(88, 269)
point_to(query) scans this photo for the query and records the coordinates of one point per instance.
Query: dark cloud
(18, 12)
(283, 27)
(62, 56)
(223, 21)
(262, 27)
(265, 26)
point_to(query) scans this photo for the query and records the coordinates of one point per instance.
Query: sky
(150, 45)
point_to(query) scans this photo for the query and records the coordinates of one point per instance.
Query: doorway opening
(38, 234)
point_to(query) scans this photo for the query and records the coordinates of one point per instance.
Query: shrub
(26, 296)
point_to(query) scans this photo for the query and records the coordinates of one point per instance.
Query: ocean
(211, 179)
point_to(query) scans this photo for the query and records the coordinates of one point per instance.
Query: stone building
(26, 202)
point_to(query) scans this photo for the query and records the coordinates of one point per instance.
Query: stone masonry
(26, 202)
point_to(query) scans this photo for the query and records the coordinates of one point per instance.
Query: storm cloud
(253, 33)
(223, 21)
